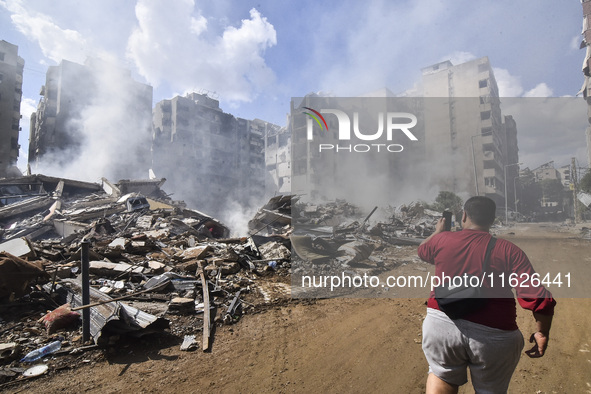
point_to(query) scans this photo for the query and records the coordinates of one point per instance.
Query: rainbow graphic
(316, 117)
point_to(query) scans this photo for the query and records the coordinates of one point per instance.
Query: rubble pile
(351, 243)
(413, 219)
(154, 265)
(330, 213)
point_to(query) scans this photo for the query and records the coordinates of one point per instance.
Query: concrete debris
(159, 268)
(274, 217)
(156, 267)
(9, 351)
(189, 343)
(330, 237)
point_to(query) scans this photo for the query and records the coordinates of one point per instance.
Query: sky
(255, 56)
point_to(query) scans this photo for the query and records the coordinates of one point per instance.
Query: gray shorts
(451, 346)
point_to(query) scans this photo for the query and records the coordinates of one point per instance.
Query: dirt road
(342, 345)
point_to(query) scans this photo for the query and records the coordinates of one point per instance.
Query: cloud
(171, 45)
(541, 90)
(509, 85)
(28, 106)
(55, 43)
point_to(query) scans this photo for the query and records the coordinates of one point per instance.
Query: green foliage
(552, 190)
(585, 184)
(447, 200)
(529, 193)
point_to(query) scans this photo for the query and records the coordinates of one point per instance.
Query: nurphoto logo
(397, 123)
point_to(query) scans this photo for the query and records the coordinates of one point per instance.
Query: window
(486, 131)
(483, 83)
(2, 56)
(485, 115)
(485, 99)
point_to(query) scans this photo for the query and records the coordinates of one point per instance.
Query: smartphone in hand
(447, 217)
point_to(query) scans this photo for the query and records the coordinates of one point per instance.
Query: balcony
(486, 123)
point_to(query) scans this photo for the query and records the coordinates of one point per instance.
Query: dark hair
(481, 210)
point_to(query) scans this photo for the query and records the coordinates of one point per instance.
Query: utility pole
(573, 177)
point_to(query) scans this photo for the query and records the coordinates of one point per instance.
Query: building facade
(11, 82)
(586, 89)
(94, 103)
(210, 158)
(468, 128)
(278, 161)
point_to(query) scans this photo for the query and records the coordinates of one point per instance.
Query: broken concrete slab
(274, 250)
(195, 253)
(109, 269)
(181, 305)
(65, 228)
(20, 247)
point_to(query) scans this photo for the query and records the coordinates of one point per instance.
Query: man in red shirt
(486, 340)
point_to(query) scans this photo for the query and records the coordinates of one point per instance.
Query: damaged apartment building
(471, 129)
(586, 88)
(278, 161)
(95, 98)
(209, 158)
(466, 145)
(11, 83)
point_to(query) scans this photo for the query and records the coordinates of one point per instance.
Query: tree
(552, 190)
(530, 194)
(448, 200)
(585, 183)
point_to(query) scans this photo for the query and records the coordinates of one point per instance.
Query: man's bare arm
(541, 336)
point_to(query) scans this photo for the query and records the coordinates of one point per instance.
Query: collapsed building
(197, 146)
(156, 267)
(139, 241)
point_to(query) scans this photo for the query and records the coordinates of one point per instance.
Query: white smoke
(171, 45)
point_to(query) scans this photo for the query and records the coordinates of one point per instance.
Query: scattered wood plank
(206, 312)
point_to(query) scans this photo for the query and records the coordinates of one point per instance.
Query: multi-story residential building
(586, 89)
(209, 157)
(546, 171)
(278, 161)
(92, 98)
(466, 126)
(565, 178)
(11, 82)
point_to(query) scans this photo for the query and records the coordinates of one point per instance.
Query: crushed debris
(156, 267)
(159, 268)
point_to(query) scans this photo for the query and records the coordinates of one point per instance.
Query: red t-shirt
(456, 253)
